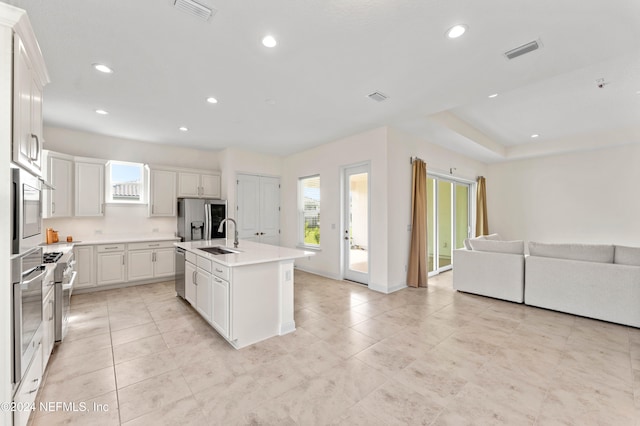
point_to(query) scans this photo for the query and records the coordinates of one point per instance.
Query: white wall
(588, 197)
(327, 161)
(84, 144)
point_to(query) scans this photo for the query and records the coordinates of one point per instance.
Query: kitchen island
(245, 293)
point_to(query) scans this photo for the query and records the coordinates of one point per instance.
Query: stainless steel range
(64, 277)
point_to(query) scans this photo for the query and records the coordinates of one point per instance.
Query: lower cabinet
(111, 264)
(203, 293)
(197, 285)
(190, 291)
(150, 260)
(85, 267)
(48, 326)
(220, 315)
(26, 393)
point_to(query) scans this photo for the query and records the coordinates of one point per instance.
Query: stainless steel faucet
(235, 229)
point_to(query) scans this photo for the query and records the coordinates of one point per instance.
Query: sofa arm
(498, 275)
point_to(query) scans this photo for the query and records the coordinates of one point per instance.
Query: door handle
(195, 278)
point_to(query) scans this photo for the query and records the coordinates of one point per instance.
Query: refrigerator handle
(207, 222)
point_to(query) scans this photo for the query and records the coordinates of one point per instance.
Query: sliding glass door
(448, 213)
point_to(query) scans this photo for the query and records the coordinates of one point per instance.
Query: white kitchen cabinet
(220, 308)
(190, 290)
(198, 185)
(26, 393)
(150, 260)
(204, 300)
(89, 188)
(85, 267)
(29, 77)
(162, 193)
(111, 264)
(258, 209)
(48, 325)
(59, 173)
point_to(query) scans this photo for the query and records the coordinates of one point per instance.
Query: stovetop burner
(51, 257)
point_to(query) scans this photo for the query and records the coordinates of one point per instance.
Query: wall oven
(27, 273)
(26, 211)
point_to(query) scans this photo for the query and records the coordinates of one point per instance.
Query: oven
(26, 211)
(27, 273)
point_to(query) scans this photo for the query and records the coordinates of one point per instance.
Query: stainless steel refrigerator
(199, 219)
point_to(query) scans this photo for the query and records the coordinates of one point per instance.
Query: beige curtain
(482, 222)
(417, 271)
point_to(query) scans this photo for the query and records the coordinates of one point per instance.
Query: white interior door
(355, 230)
(258, 209)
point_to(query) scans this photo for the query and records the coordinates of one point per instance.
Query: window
(125, 182)
(309, 210)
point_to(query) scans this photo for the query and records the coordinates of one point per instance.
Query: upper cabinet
(162, 193)
(89, 188)
(29, 78)
(198, 185)
(58, 169)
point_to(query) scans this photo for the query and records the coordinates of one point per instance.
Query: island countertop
(249, 252)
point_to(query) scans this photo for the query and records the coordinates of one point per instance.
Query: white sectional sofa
(595, 281)
(490, 267)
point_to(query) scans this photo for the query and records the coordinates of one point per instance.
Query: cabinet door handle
(123, 259)
(195, 278)
(53, 207)
(102, 208)
(218, 280)
(52, 309)
(153, 208)
(33, 135)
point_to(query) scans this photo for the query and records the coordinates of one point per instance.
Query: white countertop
(249, 252)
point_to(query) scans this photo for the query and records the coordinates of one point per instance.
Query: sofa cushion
(627, 255)
(601, 253)
(510, 247)
(467, 245)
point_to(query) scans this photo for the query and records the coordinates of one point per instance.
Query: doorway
(356, 223)
(448, 213)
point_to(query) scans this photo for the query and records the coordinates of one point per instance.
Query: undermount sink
(217, 250)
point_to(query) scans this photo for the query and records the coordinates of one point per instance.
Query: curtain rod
(412, 159)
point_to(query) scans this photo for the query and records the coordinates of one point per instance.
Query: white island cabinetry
(249, 292)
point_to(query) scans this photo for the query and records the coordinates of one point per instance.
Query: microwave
(26, 211)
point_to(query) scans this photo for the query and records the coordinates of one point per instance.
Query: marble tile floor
(141, 356)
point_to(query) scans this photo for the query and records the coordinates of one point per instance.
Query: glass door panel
(462, 214)
(356, 234)
(445, 220)
(431, 222)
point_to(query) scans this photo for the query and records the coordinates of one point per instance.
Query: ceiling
(312, 87)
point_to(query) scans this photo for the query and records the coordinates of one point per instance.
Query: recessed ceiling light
(269, 41)
(456, 31)
(535, 135)
(102, 68)
(183, 129)
(101, 112)
(493, 95)
(212, 100)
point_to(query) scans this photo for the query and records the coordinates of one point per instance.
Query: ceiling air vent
(521, 50)
(377, 96)
(195, 9)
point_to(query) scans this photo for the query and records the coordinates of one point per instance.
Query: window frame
(301, 212)
(109, 186)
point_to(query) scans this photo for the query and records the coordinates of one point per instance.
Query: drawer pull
(218, 270)
(154, 245)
